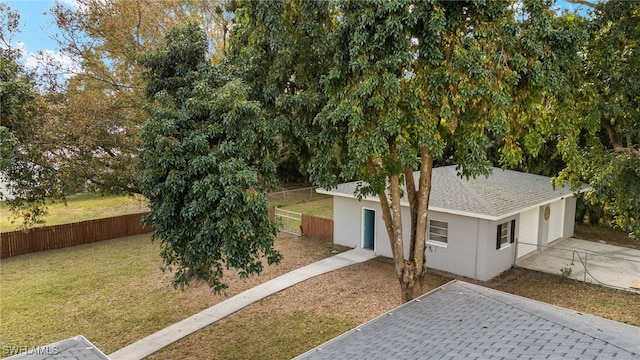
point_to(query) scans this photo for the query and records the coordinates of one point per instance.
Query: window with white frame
(505, 234)
(438, 233)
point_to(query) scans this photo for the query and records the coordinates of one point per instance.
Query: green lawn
(80, 208)
(113, 292)
(94, 206)
(319, 208)
(97, 290)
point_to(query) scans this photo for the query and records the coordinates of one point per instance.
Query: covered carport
(590, 261)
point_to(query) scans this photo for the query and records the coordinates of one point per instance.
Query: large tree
(208, 158)
(280, 48)
(16, 90)
(602, 147)
(21, 109)
(97, 99)
(413, 78)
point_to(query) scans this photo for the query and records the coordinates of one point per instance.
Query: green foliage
(415, 82)
(16, 90)
(463, 79)
(279, 49)
(97, 100)
(8, 144)
(601, 146)
(207, 162)
(19, 102)
(565, 272)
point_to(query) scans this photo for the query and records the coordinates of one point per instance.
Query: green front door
(368, 230)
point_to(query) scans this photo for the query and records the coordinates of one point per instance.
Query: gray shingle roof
(465, 321)
(503, 193)
(75, 348)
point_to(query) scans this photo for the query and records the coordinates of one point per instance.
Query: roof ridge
(467, 186)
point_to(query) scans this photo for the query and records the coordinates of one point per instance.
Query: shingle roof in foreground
(465, 321)
(503, 193)
(75, 348)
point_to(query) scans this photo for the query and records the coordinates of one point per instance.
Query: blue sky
(37, 26)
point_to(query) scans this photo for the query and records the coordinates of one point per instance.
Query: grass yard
(82, 207)
(319, 208)
(112, 292)
(94, 206)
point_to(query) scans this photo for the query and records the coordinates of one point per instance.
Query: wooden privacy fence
(318, 228)
(59, 236)
(312, 226)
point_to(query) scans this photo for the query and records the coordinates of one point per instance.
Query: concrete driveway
(607, 265)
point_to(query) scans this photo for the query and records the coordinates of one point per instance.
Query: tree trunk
(410, 272)
(616, 142)
(412, 281)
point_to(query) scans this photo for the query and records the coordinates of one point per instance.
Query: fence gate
(289, 221)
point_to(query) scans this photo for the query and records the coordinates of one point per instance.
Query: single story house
(477, 228)
(464, 321)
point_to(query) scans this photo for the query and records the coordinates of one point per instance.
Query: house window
(438, 233)
(506, 234)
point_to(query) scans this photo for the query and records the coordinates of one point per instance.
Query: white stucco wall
(528, 232)
(569, 217)
(556, 220)
(492, 261)
(459, 257)
(471, 249)
(348, 223)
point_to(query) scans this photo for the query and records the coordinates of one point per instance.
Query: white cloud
(75, 4)
(18, 45)
(71, 3)
(61, 63)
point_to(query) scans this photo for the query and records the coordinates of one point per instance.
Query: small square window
(438, 233)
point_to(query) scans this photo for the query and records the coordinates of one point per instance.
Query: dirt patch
(297, 252)
(605, 235)
(305, 315)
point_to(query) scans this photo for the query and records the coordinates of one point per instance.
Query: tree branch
(583, 2)
(412, 197)
(614, 139)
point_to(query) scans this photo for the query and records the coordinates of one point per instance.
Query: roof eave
(488, 217)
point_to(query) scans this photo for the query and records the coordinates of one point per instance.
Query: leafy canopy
(413, 79)
(97, 98)
(207, 161)
(280, 48)
(602, 144)
(473, 76)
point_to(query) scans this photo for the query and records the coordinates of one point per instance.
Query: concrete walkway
(607, 265)
(156, 341)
